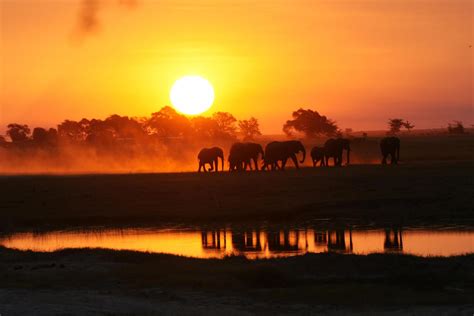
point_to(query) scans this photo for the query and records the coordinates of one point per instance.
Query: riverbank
(432, 193)
(106, 281)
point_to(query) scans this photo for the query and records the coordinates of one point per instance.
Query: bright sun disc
(192, 95)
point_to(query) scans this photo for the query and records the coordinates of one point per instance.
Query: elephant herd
(277, 153)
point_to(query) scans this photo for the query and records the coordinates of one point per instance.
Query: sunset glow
(192, 95)
(358, 62)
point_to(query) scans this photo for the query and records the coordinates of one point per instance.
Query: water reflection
(253, 242)
(393, 240)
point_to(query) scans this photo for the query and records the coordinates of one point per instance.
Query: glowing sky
(359, 62)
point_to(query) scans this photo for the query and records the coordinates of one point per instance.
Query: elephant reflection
(210, 156)
(282, 241)
(390, 146)
(213, 240)
(246, 241)
(337, 241)
(393, 240)
(242, 154)
(282, 151)
(333, 148)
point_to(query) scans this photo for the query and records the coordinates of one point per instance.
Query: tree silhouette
(456, 127)
(408, 125)
(395, 125)
(226, 124)
(45, 137)
(124, 127)
(311, 123)
(249, 128)
(73, 131)
(18, 133)
(168, 123)
(40, 135)
(204, 127)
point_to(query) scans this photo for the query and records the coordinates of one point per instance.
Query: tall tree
(395, 125)
(408, 125)
(73, 130)
(18, 132)
(249, 128)
(168, 123)
(310, 123)
(226, 124)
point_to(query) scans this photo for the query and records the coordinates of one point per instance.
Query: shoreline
(150, 282)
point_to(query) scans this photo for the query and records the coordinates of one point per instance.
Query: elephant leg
(295, 161)
(314, 163)
(283, 164)
(200, 166)
(248, 164)
(255, 161)
(393, 161)
(216, 164)
(384, 159)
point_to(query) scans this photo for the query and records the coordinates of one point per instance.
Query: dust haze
(161, 158)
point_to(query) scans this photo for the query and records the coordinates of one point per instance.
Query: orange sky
(359, 62)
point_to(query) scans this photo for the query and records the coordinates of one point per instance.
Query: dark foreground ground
(438, 193)
(109, 282)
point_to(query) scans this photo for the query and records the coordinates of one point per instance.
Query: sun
(192, 95)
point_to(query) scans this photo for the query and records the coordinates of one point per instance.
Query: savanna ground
(432, 186)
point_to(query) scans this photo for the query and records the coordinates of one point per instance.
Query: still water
(252, 243)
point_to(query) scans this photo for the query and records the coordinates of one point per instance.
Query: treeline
(163, 126)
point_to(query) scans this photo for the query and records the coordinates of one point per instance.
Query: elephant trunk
(348, 155)
(398, 152)
(303, 150)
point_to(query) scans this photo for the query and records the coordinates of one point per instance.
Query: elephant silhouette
(242, 154)
(390, 146)
(317, 155)
(210, 156)
(333, 148)
(282, 151)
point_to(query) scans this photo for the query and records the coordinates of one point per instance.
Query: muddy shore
(101, 281)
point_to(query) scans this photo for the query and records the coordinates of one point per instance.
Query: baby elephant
(210, 156)
(390, 146)
(317, 155)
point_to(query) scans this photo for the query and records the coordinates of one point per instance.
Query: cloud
(88, 19)
(89, 14)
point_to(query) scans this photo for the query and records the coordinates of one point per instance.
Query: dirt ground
(112, 282)
(430, 187)
(438, 193)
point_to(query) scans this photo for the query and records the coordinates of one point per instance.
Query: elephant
(390, 146)
(242, 154)
(317, 155)
(333, 148)
(210, 156)
(281, 151)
